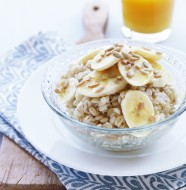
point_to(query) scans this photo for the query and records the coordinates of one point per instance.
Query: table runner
(15, 67)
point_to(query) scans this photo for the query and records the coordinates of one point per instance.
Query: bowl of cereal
(116, 94)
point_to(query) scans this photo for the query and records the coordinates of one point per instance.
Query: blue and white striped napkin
(15, 67)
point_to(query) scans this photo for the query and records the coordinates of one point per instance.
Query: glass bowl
(106, 138)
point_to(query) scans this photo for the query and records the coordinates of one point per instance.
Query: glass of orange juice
(147, 20)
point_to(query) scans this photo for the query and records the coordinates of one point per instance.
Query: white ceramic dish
(41, 128)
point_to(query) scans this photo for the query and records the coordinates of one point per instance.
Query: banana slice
(138, 74)
(149, 54)
(102, 62)
(165, 79)
(102, 83)
(162, 77)
(137, 109)
(156, 66)
(89, 56)
(66, 90)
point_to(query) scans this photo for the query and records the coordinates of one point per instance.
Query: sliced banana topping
(149, 54)
(160, 80)
(160, 76)
(106, 58)
(156, 66)
(66, 90)
(89, 56)
(110, 70)
(137, 109)
(102, 83)
(136, 73)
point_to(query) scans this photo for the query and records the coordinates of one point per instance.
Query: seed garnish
(120, 45)
(66, 83)
(157, 74)
(134, 58)
(159, 53)
(128, 66)
(145, 64)
(130, 73)
(99, 89)
(117, 49)
(108, 53)
(144, 72)
(135, 55)
(146, 49)
(98, 59)
(83, 82)
(109, 49)
(127, 56)
(57, 90)
(117, 55)
(125, 61)
(141, 105)
(119, 77)
(93, 85)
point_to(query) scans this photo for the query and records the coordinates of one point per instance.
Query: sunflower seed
(108, 53)
(146, 48)
(110, 48)
(66, 83)
(128, 66)
(144, 72)
(140, 106)
(145, 64)
(125, 61)
(117, 55)
(57, 90)
(120, 45)
(130, 73)
(83, 82)
(157, 74)
(93, 85)
(138, 65)
(98, 59)
(117, 49)
(119, 77)
(99, 89)
(135, 55)
(159, 53)
(134, 58)
(127, 56)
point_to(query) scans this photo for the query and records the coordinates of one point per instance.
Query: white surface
(20, 19)
(48, 135)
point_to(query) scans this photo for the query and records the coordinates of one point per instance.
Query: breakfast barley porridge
(118, 87)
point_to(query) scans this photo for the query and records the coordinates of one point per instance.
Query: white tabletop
(20, 19)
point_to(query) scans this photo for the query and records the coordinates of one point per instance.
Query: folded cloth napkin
(15, 67)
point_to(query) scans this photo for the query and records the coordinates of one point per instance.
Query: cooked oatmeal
(118, 87)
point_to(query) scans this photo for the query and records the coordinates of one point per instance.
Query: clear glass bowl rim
(174, 116)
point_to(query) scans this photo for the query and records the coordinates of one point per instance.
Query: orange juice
(147, 16)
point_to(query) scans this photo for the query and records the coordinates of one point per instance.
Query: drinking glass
(147, 20)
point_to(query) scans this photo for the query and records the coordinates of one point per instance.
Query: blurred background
(21, 19)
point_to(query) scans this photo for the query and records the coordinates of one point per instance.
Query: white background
(19, 19)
